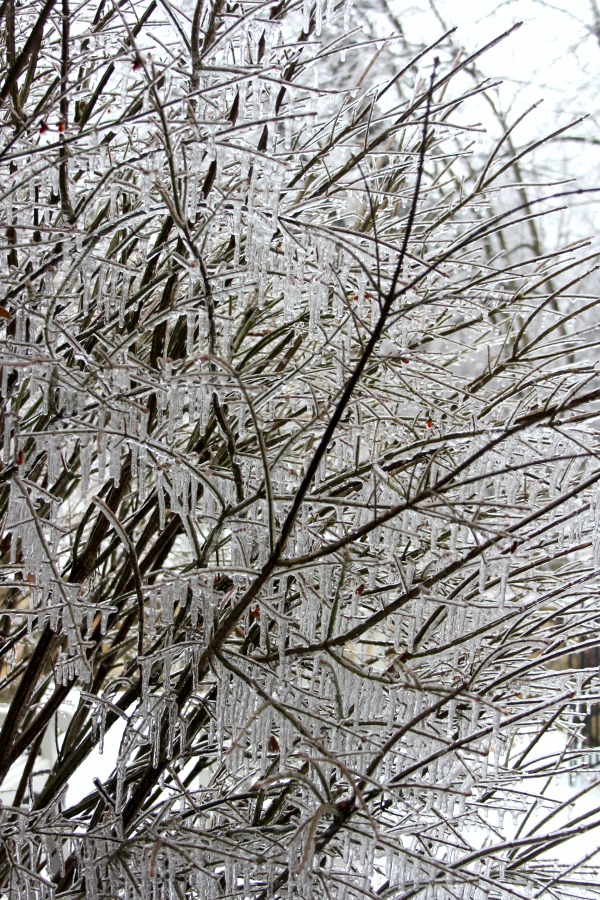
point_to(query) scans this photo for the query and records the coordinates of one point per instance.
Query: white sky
(554, 58)
(551, 56)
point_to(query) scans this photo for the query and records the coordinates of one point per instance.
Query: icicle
(182, 735)
(145, 664)
(482, 574)
(196, 601)
(306, 9)
(318, 17)
(434, 535)
(504, 576)
(142, 465)
(205, 405)
(152, 611)
(155, 729)
(172, 727)
(8, 427)
(193, 497)
(191, 317)
(184, 490)
(101, 456)
(115, 460)
(192, 186)
(113, 202)
(53, 460)
(166, 594)
(209, 608)
(160, 492)
(226, 338)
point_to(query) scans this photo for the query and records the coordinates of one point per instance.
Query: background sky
(553, 60)
(553, 56)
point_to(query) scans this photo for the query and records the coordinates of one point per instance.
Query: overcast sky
(554, 58)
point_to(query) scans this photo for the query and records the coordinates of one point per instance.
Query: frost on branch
(298, 490)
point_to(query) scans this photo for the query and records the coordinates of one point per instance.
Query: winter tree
(299, 484)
